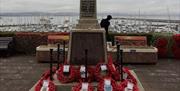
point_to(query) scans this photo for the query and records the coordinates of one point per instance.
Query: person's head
(109, 17)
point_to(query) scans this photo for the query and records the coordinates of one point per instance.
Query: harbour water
(66, 23)
(20, 20)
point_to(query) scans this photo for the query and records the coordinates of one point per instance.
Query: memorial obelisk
(87, 36)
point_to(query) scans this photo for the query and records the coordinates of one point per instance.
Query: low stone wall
(26, 42)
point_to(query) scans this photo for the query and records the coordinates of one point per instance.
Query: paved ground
(19, 73)
(164, 76)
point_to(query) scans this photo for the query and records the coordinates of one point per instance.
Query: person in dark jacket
(105, 24)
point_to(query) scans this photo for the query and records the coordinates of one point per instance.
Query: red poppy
(101, 84)
(78, 87)
(51, 86)
(90, 75)
(66, 79)
(123, 85)
(98, 72)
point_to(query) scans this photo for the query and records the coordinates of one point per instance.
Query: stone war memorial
(87, 35)
(89, 66)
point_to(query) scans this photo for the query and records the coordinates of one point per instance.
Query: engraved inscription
(88, 8)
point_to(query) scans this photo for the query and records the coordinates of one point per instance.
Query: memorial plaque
(93, 41)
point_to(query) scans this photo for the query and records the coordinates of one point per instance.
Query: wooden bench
(135, 50)
(6, 45)
(131, 40)
(53, 39)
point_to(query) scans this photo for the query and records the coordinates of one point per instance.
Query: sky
(103, 6)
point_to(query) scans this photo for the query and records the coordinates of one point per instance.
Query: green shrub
(26, 42)
(7, 34)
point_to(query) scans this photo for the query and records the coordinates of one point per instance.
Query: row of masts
(32, 20)
(47, 23)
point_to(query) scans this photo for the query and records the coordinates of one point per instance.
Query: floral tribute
(45, 84)
(127, 85)
(83, 87)
(107, 84)
(81, 73)
(128, 76)
(102, 71)
(107, 76)
(66, 74)
(113, 69)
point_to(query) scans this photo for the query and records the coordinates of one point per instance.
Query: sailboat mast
(139, 16)
(0, 8)
(179, 10)
(169, 18)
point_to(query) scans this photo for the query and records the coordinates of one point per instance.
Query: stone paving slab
(21, 72)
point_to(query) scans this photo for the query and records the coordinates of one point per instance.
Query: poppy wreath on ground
(45, 84)
(46, 74)
(109, 81)
(129, 77)
(116, 75)
(102, 71)
(161, 44)
(46, 77)
(66, 77)
(115, 72)
(83, 87)
(113, 69)
(126, 84)
(81, 73)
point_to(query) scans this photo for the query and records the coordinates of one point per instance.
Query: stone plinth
(43, 52)
(136, 54)
(131, 54)
(88, 23)
(91, 39)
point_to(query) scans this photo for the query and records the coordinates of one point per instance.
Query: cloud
(111, 6)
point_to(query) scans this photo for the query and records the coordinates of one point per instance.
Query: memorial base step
(68, 87)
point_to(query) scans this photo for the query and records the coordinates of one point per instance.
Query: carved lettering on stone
(88, 8)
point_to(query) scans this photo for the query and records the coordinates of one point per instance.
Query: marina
(66, 24)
